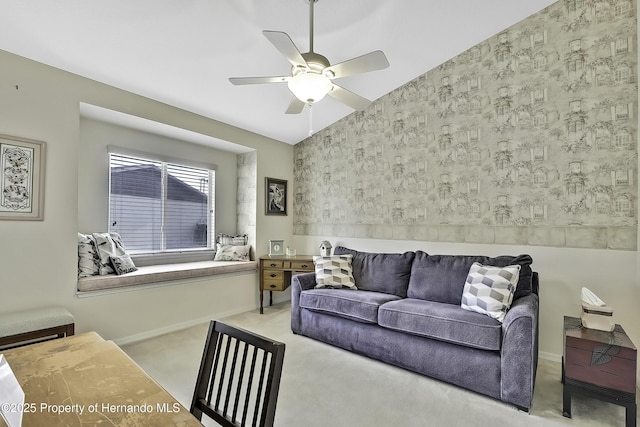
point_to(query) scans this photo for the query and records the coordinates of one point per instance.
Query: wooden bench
(41, 324)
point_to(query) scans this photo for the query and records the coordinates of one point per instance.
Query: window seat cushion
(164, 272)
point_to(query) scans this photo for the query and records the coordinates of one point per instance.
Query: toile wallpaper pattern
(530, 138)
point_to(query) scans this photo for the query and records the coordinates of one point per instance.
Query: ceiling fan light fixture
(310, 87)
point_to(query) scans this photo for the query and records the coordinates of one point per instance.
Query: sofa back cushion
(388, 273)
(441, 278)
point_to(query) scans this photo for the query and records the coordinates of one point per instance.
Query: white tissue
(590, 298)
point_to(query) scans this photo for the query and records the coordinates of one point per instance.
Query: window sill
(154, 274)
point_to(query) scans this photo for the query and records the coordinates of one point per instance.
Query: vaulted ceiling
(182, 52)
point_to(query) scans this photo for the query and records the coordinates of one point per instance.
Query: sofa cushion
(489, 290)
(356, 305)
(441, 278)
(334, 272)
(440, 321)
(388, 273)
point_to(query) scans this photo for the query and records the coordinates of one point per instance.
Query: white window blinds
(157, 206)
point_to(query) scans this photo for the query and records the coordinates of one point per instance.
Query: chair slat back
(239, 377)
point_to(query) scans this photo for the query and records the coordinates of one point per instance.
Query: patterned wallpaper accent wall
(528, 138)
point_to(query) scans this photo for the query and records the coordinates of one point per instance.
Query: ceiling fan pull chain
(310, 119)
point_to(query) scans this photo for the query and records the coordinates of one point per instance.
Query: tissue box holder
(597, 317)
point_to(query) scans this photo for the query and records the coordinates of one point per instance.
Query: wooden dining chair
(239, 378)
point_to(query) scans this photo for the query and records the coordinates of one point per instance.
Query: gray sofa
(407, 312)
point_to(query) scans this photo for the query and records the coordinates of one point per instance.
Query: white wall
(38, 260)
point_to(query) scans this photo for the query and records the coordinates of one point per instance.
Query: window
(622, 111)
(622, 8)
(623, 140)
(540, 62)
(623, 74)
(622, 46)
(540, 177)
(540, 119)
(622, 177)
(160, 207)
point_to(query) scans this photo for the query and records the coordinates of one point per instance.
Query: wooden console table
(275, 272)
(599, 364)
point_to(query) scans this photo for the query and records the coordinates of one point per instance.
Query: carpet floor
(326, 386)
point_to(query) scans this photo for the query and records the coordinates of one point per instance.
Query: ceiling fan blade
(345, 96)
(371, 61)
(285, 45)
(295, 107)
(258, 80)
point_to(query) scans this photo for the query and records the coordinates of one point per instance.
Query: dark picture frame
(275, 196)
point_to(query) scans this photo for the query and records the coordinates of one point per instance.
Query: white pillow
(334, 272)
(232, 253)
(237, 240)
(88, 260)
(108, 245)
(489, 290)
(123, 264)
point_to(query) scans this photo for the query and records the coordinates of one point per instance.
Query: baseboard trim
(131, 339)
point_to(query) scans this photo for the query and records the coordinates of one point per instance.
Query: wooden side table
(599, 364)
(276, 270)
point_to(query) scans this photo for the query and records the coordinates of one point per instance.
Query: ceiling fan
(312, 75)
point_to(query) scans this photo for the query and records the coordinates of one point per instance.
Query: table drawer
(272, 264)
(270, 285)
(273, 275)
(601, 367)
(301, 266)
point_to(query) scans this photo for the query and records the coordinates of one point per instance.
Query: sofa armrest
(299, 283)
(304, 280)
(520, 351)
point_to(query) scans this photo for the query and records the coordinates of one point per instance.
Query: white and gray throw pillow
(229, 240)
(122, 264)
(489, 290)
(232, 253)
(334, 272)
(108, 245)
(88, 260)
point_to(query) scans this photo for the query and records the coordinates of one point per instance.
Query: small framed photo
(22, 164)
(276, 247)
(276, 196)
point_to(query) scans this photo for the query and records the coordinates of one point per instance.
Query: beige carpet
(326, 386)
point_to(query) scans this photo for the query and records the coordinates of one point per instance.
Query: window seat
(163, 273)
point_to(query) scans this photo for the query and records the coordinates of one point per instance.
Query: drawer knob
(273, 275)
(272, 286)
(304, 266)
(273, 265)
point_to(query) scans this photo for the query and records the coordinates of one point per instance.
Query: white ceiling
(182, 52)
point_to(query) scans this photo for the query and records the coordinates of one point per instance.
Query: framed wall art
(276, 196)
(22, 163)
(276, 247)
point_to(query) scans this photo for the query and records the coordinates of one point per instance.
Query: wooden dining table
(84, 380)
